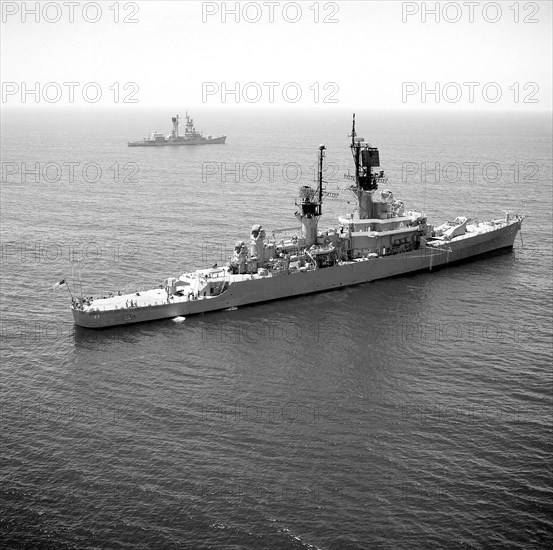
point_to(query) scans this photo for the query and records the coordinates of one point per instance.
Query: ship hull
(287, 285)
(178, 143)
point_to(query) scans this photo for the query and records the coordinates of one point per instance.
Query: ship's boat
(379, 239)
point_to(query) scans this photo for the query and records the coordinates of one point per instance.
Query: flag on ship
(61, 283)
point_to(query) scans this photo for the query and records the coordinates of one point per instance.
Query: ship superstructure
(191, 136)
(379, 239)
(380, 225)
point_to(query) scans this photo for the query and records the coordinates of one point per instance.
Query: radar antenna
(366, 159)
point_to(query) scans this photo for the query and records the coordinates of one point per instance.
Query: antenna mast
(175, 133)
(366, 159)
(356, 151)
(321, 157)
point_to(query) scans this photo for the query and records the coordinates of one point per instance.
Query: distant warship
(379, 239)
(191, 137)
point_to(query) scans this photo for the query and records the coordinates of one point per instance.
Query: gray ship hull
(289, 284)
(178, 142)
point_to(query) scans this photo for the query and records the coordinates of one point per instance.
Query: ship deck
(158, 296)
(146, 298)
(472, 231)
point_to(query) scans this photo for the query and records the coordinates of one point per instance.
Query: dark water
(408, 413)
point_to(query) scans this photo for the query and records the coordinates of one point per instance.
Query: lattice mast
(311, 203)
(367, 177)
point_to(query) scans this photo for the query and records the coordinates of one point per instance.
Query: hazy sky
(376, 54)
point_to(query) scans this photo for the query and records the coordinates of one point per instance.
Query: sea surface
(407, 413)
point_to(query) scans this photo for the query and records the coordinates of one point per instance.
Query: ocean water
(413, 412)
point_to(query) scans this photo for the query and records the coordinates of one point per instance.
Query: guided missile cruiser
(380, 238)
(191, 136)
